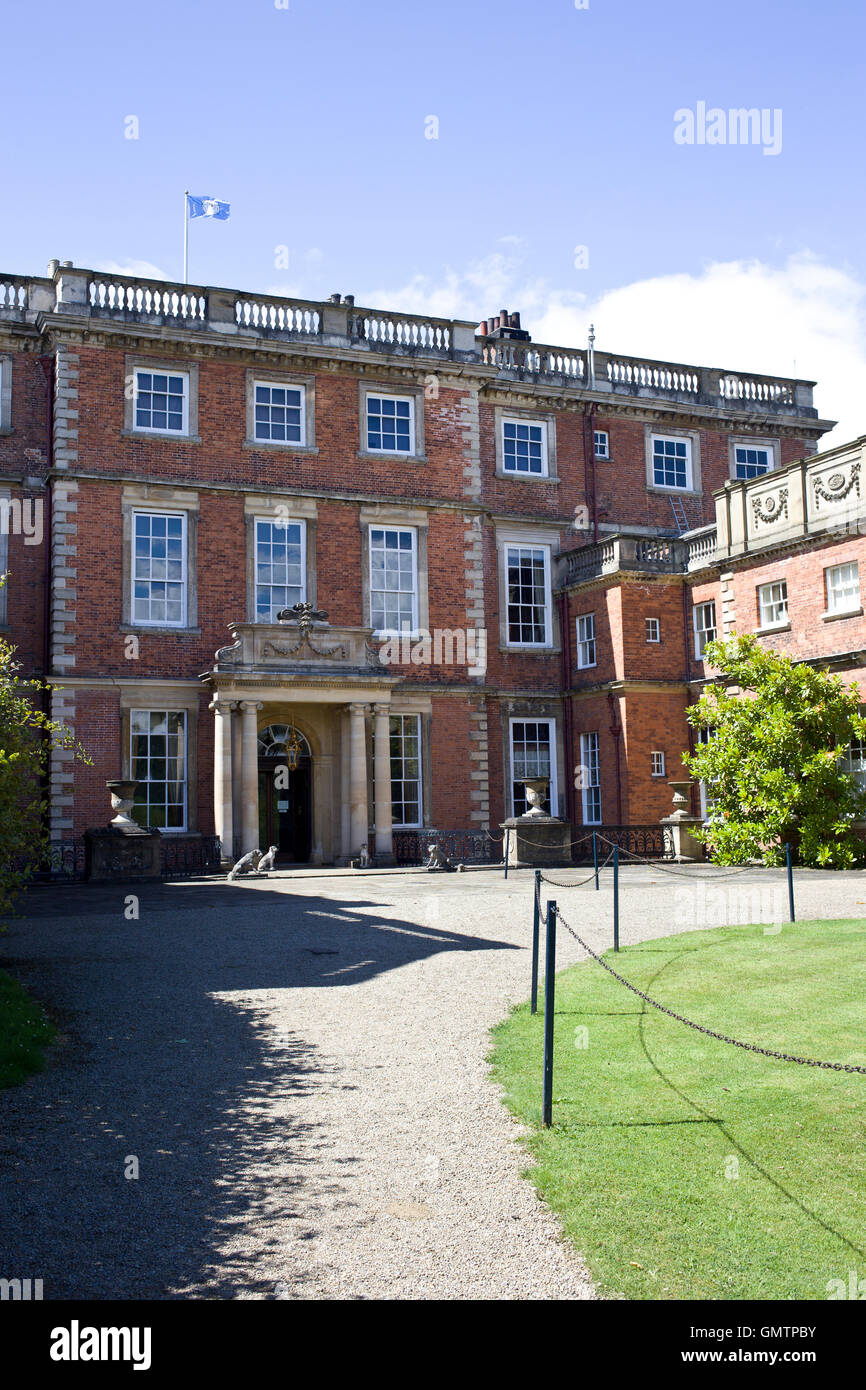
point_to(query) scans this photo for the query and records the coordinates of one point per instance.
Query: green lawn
(682, 1167)
(24, 1033)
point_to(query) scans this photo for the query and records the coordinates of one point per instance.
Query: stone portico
(329, 685)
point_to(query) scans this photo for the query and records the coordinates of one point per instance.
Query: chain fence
(700, 1027)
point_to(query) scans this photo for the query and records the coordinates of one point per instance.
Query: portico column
(358, 816)
(222, 775)
(382, 786)
(345, 789)
(250, 776)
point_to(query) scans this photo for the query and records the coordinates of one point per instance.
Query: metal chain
(678, 873)
(557, 883)
(699, 1027)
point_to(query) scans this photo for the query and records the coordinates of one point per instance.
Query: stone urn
(122, 850)
(535, 790)
(682, 800)
(122, 799)
(680, 843)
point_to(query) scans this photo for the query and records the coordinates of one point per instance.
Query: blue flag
(207, 207)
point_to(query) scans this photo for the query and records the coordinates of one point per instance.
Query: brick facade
(72, 343)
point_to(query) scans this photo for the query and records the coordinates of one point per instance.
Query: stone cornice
(351, 360)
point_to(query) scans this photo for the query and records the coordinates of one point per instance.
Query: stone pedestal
(123, 850)
(681, 845)
(534, 840)
(114, 855)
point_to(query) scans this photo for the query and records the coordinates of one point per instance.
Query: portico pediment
(301, 645)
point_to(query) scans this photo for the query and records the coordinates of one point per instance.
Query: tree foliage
(27, 737)
(774, 765)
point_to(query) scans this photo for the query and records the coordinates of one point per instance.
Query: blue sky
(555, 131)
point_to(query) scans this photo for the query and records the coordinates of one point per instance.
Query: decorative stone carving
(836, 487)
(769, 509)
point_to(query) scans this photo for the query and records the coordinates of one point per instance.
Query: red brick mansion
(408, 561)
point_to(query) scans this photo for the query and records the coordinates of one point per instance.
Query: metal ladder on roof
(680, 518)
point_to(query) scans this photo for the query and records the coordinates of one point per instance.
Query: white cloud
(146, 270)
(802, 318)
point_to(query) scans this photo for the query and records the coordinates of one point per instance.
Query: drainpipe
(616, 731)
(589, 410)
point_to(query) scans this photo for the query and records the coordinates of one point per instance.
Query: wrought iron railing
(461, 846)
(187, 858)
(645, 841)
(180, 857)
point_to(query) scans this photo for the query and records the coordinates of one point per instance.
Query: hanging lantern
(293, 749)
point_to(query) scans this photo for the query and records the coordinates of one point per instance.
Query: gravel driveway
(298, 1066)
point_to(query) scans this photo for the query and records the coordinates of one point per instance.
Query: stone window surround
(263, 508)
(6, 361)
(308, 383)
(142, 497)
(133, 363)
(532, 417)
(750, 441)
(409, 518)
(538, 713)
(171, 698)
(404, 392)
(538, 535)
(651, 432)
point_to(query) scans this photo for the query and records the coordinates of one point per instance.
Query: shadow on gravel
(158, 1058)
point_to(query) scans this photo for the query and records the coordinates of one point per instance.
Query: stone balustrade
(338, 322)
(823, 494)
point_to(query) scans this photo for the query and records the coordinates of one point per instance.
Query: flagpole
(185, 237)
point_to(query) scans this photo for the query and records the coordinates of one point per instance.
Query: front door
(285, 812)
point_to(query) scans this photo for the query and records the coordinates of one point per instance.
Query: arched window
(274, 738)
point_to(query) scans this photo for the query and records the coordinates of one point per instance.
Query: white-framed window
(524, 447)
(406, 782)
(161, 403)
(281, 579)
(672, 462)
(390, 424)
(705, 626)
(527, 582)
(752, 460)
(158, 762)
(843, 588)
(590, 779)
(601, 444)
(706, 801)
(279, 413)
(586, 640)
(653, 629)
(393, 579)
(773, 603)
(533, 754)
(658, 764)
(159, 569)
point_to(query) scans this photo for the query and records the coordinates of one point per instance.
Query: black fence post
(536, 918)
(790, 882)
(549, 972)
(616, 897)
(595, 857)
(507, 847)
